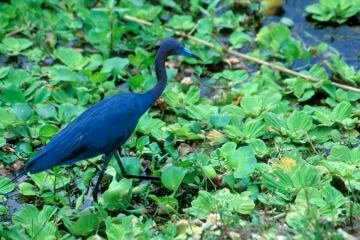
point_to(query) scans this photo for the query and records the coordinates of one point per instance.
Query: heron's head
(173, 47)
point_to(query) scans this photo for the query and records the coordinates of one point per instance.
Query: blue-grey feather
(106, 125)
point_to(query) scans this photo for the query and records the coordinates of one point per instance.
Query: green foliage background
(242, 150)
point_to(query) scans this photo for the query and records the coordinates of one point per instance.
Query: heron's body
(105, 126)
(99, 130)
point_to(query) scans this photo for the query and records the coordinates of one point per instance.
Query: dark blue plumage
(99, 130)
(106, 125)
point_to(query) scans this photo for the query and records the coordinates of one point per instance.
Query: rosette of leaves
(223, 201)
(344, 163)
(31, 223)
(312, 204)
(277, 39)
(338, 11)
(343, 72)
(287, 178)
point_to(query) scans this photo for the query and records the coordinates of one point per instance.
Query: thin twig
(244, 56)
(311, 143)
(16, 31)
(276, 217)
(193, 29)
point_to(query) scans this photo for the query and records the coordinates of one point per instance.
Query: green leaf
(12, 94)
(171, 99)
(68, 111)
(22, 111)
(203, 205)
(28, 189)
(128, 227)
(7, 117)
(4, 72)
(47, 131)
(290, 49)
(147, 12)
(299, 123)
(200, 111)
(45, 181)
(323, 115)
(272, 36)
(227, 149)
(37, 223)
(184, 131)
(275, 121)
(192, 96)
(86, 223)
(259, 147)
(209, 171)
(243, 162)
(147, 124)
(2, 141)
(278, 181)
(341, 69)
(270, 99)
(253, 129)
(277, 37)
(205, 26)
(167, 204)
(6, 185)
(219, 121)
(62, 96)
(235, 77)
(114, 65)
(73, 59)
(41, 95)
(341, 111)
(14, 46)
(132, 165)
(237, 38)
(340, 153)
(336, 11)
(252, 105)
(172, 177)
(119, 195)
(181, 22)
(306, 176)
(242, 203)
(62, 73)
(45, 111)
(221, 201)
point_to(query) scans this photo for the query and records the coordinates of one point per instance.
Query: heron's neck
(161, 76)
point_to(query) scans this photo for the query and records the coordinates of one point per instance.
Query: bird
(105, 126)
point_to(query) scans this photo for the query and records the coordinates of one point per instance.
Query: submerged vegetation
(244, 151)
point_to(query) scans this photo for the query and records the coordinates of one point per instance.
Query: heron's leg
(123, 171)
(107, 159)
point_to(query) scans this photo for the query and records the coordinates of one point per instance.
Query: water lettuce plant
(338, 11)
(243, 151)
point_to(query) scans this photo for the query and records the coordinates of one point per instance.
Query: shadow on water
(344, 38)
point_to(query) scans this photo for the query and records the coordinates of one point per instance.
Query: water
(344, 38)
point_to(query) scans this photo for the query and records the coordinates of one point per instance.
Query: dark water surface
(344, 38)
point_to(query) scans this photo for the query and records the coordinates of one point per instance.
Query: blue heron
(105, 126)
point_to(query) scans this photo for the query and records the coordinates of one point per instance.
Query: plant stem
(244, 56)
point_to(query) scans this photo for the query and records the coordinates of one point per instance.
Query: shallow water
(344, 38)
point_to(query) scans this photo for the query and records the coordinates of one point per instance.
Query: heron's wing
(85, 137)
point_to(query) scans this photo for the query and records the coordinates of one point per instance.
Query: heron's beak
(186, 52)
